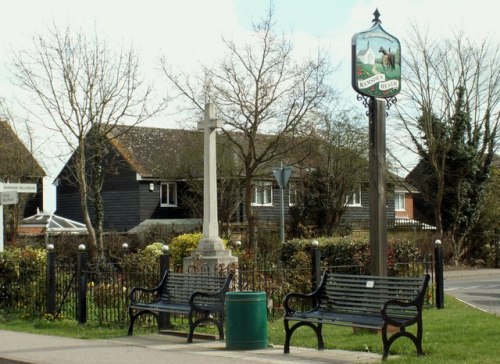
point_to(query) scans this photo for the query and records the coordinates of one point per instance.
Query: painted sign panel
(8, 198)
(19, 187)
(376, 62)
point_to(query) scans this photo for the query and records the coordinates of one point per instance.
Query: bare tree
(336, 168)
(83, 85)
(259, 89)
(228, 179)
(451, 96)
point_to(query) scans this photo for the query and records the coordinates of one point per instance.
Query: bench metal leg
(220, 326)
(132, 321)
(417, 340)
(134, 317)
(289, 331)
(206, 318)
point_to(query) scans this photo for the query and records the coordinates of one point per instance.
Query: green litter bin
(246, 320)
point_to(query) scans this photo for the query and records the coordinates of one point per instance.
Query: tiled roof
(178, 153)
(16, 162)
(161, 153)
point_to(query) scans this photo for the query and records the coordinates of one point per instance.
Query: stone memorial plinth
(210, 253)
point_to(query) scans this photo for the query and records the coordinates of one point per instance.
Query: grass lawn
(456, 334)
(68, 328)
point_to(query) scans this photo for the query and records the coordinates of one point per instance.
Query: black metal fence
(99, 292)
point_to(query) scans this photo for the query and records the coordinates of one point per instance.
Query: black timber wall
(120, 195)
(361, 214)
(149, 203)
(270, 214)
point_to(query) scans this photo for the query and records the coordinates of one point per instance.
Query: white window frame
(401, 197)
(354, 199)
(260, 188)
(168, 186)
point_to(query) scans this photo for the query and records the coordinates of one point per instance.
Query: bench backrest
(359, 294)
(178, 287)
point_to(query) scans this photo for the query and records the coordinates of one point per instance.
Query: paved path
(17, 348)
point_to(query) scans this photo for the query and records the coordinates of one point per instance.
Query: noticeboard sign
(9, 198)
(19, 187)
(376, 62)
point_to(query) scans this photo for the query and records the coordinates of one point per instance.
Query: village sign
(376, 62)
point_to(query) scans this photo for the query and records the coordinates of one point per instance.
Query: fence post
(438, 259)
(125, 249)
(81, 276)
(237, 244)
(163, 317)
(51, 280)
(315, 264)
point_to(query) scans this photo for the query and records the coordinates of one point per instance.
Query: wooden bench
(198, 296)
(360, 301)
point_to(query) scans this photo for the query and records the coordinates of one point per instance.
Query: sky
(189, 33)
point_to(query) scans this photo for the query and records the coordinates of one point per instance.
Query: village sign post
(9, 196)
(282, 175)
(376, 77)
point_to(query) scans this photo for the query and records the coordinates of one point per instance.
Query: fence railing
(99, 293)
(392, 224)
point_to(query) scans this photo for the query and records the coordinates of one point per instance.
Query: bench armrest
(137, 294)
(312, 296)
(217, 297)
(217, 300)
(141, 292)
(290, 296)
(409, 317)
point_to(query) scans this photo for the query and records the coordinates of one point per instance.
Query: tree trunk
(88, 223)
(96, 184)
(252, 240)
(99, 218)
(80, 165)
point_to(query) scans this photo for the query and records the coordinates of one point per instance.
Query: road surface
(478, 288)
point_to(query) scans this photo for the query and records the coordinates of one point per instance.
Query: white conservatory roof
(53, 223)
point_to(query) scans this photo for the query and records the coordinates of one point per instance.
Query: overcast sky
(188, 32)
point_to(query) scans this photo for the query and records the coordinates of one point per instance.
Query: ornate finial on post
(376, 20)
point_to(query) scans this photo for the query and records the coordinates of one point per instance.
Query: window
(399, 201)
(263, 193)
(354, 199)
(168, 194)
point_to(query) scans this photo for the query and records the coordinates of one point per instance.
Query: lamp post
(163, 317)
(81, 311)
(438, 259)
(51, 279)
(316, 264)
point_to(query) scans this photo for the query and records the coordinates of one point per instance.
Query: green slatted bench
(360, 301)
(198, 296)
